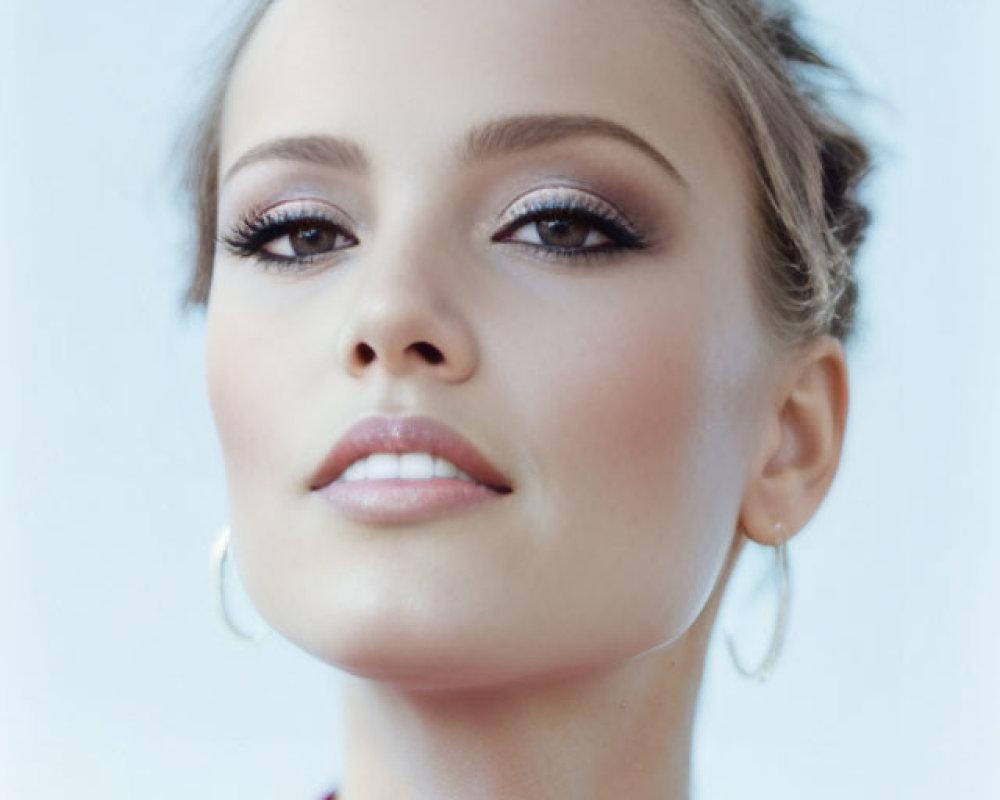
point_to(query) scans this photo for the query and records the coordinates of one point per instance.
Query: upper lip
(410, 434)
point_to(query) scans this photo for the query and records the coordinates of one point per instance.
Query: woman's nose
(407, 319)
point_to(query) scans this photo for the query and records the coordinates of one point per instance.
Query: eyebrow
(327, 151)
(500, 137)
(515, 134)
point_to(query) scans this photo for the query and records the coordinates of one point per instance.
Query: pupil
(309, 241)
(563, 232)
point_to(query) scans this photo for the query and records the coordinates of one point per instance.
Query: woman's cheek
(629, 485)
(244, 374)
(626, 395)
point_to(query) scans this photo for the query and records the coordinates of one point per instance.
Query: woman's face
(530, 221)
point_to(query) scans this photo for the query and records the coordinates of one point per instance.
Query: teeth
(382, 466)
(444, 469)
(405, 466)
(416, 466)
(356, 472)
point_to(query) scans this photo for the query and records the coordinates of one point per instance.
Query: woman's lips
(388, 502)
(394, 500)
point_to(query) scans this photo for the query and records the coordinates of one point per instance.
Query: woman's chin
(421, 667)
(415, 664)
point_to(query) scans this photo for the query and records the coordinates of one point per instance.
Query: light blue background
(116, 680)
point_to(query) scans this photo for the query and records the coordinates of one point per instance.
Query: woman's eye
(569, 227)
(563, 232)
(308, 239)
(286, 238)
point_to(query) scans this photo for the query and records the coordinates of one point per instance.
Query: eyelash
(257, 230)
(249, 237)
(595, 214)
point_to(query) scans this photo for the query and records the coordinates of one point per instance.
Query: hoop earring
(219, 558)
(763, 670)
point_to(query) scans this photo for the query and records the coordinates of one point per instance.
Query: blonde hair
(808, 163)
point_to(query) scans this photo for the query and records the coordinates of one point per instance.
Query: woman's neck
(624, 733)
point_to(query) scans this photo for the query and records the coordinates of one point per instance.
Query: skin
(550, 644)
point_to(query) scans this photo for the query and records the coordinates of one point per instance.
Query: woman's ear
(800, 447)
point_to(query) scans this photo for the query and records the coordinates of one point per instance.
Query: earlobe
(800, 449)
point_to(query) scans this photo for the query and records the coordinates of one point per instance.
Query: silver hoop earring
(220, 556)
(764, 669)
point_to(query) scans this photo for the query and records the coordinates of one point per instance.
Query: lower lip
(390, 502)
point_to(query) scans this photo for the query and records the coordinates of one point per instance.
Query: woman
(521, 317)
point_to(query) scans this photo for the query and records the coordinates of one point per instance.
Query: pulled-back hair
(808, 162)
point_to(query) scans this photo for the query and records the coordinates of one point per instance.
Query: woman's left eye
(560, 231)
(569, 227)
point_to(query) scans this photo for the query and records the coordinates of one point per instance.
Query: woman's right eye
(288, 238)
(308, 239)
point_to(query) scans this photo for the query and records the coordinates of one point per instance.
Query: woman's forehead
(416, 73)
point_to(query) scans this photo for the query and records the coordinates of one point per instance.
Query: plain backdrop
(117, 680)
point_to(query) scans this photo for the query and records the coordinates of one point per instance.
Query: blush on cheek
(630, 439)
(236, 382)
(637, 399)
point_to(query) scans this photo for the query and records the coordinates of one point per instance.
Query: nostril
(428, 352)
(365, 354)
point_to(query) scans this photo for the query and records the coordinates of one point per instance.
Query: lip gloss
(395, 501)
(390, 470)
